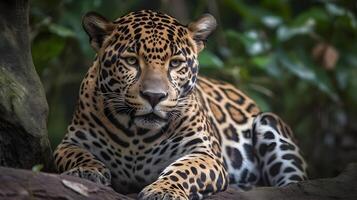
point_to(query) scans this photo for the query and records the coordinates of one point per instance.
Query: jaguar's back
(232, 113)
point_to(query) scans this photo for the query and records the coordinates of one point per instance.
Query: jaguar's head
(148, 63)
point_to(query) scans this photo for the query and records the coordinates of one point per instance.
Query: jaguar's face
(148, 63)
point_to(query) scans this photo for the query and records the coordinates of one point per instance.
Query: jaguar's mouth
(151, 117)
(150, 121)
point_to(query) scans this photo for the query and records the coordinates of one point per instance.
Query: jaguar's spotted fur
(145, 121)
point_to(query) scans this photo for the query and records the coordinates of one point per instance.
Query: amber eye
(175, 63)
(131, 60)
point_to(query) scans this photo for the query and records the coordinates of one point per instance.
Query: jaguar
(146, 123)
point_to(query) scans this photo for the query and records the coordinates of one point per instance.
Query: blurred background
(295, 58)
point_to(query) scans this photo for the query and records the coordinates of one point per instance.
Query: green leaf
(261, 61)
(37, 168)
(249, 13)
(285, 33)
(61, 30)
(335, 10)
(271, 21)
(208, 59)
(318, 14)
(338, 11)
(272, 67)
(46, 48)
(298, 64)
(252, 41)
(260, 99)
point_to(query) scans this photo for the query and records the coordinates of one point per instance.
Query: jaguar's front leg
(191, 177)
(71, 159)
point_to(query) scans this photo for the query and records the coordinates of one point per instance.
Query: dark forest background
(295, 58)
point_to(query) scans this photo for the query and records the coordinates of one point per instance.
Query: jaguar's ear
(201, 28)
(98, 28)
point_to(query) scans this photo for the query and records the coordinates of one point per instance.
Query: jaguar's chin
(150, 121)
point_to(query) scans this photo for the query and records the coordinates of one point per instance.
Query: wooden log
(343, 186)
(16, 184)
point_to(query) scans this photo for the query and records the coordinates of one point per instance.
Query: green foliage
(37, 168)
(297, 59)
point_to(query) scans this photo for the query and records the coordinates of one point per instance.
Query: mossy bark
(23, 107)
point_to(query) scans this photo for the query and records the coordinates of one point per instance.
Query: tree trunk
(23, 107)
(24, 184)
(21, 184)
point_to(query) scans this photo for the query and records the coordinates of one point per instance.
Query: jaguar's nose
(152, 97)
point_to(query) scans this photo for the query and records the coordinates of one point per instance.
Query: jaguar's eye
(175, 63)
(131, 60)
